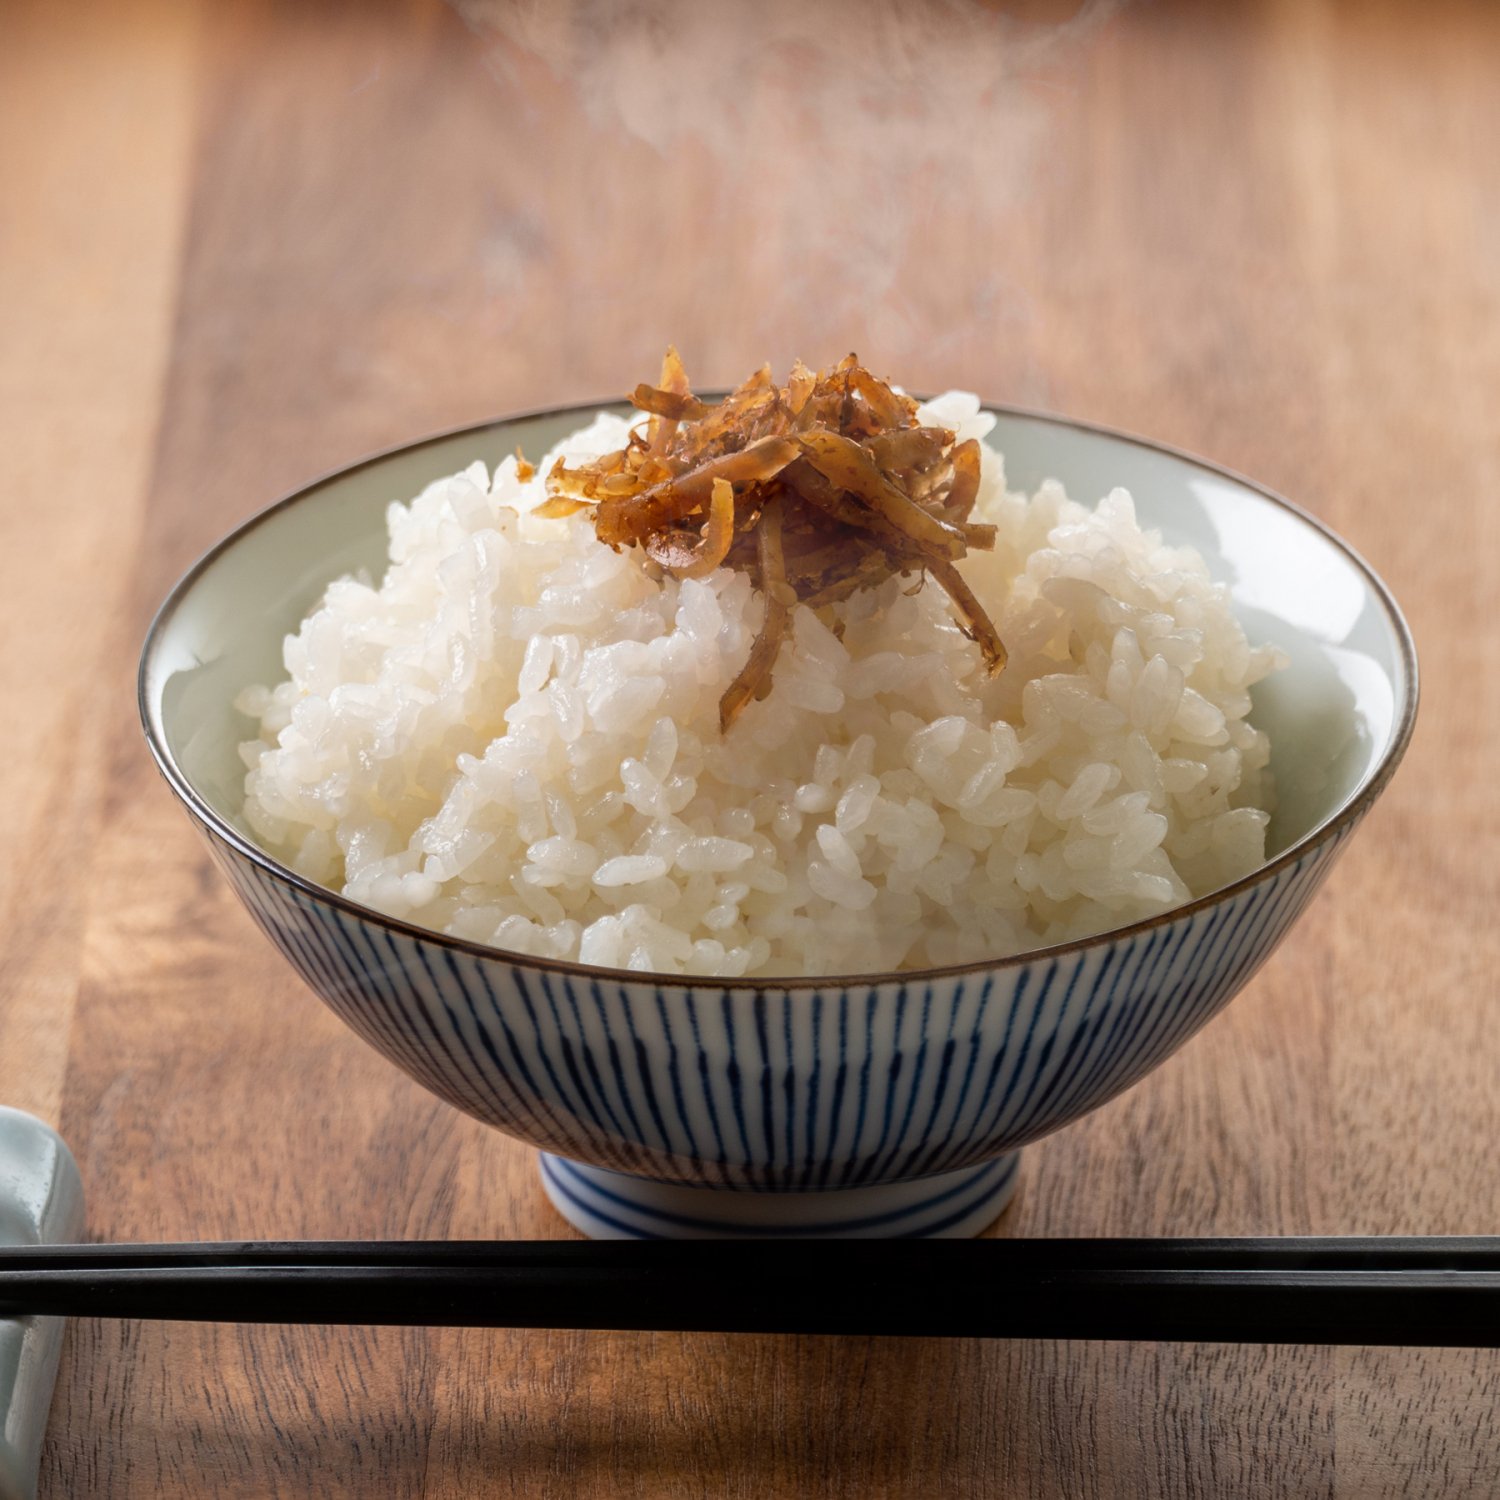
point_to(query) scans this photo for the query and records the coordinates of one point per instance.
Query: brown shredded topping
(816, 489)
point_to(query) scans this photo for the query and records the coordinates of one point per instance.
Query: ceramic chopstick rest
(41, 1203)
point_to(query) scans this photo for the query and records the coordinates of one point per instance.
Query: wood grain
(94, 200)
(245, 243)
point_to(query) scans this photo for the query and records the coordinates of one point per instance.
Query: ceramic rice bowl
(861, 1105)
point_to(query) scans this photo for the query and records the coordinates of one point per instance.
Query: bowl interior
(1334, 715)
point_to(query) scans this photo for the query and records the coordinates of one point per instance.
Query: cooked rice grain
(514, 738)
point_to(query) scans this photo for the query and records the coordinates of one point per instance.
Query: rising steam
(850, 140)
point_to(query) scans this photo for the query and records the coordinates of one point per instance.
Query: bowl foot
(609, 1205)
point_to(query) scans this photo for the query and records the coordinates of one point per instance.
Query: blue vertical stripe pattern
(765, 1089)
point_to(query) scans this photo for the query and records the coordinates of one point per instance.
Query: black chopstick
(1399, 1291)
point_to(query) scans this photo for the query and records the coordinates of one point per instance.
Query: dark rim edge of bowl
(1345, 817)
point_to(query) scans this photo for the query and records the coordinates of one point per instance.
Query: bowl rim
(1343, 819)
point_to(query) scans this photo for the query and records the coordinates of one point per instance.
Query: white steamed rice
(513, 738)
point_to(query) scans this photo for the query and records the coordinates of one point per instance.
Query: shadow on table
(445, 1412)
(392, 1412)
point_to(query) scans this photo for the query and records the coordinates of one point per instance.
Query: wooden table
(244, 243)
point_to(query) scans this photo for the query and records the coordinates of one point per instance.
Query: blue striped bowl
(861, 1105)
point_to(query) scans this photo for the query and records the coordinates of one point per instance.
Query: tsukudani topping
(815, 489)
